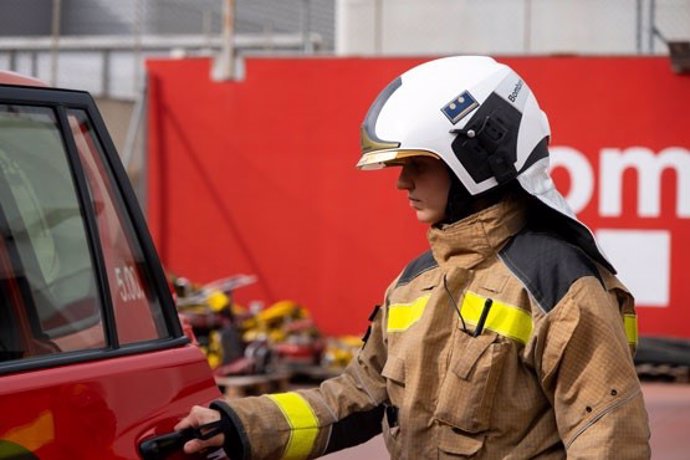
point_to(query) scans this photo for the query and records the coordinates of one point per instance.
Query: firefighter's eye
(414, 166)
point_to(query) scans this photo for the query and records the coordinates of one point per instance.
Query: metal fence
(666, 20)
(161, 17)
(100, 45)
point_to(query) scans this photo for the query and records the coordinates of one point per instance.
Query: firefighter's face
(427, 183)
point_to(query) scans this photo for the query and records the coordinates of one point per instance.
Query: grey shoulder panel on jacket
(547, 265)
(418, 266)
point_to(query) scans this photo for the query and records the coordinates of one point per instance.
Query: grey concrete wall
(116, 114)
(408, 27)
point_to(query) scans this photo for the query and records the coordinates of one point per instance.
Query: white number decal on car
(128, 284)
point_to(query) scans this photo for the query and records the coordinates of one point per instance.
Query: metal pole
(638, 26)
(138, 30)
(229, 37)
(224, 64)
(206, 28)
(527, 30)
(57, 7)
(652, 24)
(268, 32)
(308, 48)
(105, 77)
(34, 63)
(378, 24)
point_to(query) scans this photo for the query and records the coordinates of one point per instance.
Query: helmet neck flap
(461, 204)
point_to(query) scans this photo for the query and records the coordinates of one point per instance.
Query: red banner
(257, 176)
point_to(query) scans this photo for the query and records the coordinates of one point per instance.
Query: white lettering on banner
(633, 252)
(613, 163)
(648, 168)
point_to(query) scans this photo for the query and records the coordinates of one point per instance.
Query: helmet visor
(393, 157)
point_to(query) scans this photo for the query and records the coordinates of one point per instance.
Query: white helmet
(481, 119)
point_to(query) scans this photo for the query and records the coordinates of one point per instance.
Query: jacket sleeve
(588, 373)
(344, 411)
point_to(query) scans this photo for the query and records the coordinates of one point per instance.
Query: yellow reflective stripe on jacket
(504, 319)
(631, 328)
(403, 315)
(303, 423)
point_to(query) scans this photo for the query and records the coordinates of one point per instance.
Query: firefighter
(510, 337)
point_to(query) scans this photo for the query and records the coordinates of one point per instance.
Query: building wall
(116, 114)
(507, 27)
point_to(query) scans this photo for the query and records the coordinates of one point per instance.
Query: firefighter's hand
(200, 416)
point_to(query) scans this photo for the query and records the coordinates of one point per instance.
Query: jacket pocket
(454, 444)
(466, 399)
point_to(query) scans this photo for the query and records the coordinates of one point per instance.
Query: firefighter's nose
(405, 181)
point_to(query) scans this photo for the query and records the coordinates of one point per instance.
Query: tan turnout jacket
(549, 376)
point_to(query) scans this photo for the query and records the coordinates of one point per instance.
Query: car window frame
(60, 100)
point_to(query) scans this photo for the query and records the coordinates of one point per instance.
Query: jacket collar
(471, 240)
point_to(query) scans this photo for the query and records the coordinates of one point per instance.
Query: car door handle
(161, 446)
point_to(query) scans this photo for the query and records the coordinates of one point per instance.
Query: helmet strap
(459, 199)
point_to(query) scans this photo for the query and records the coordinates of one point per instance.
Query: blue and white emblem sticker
(460, 106)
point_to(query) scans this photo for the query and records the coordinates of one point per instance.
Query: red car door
(92, 356)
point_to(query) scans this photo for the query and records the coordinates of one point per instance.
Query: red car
(93, 360)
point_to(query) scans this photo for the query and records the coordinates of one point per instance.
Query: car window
(138, 311)
(50, 299)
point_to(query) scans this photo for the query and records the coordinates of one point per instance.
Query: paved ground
(668, 405)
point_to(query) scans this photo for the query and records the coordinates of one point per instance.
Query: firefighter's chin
(428, 216)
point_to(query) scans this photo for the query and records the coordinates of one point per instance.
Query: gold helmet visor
(382, 158)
